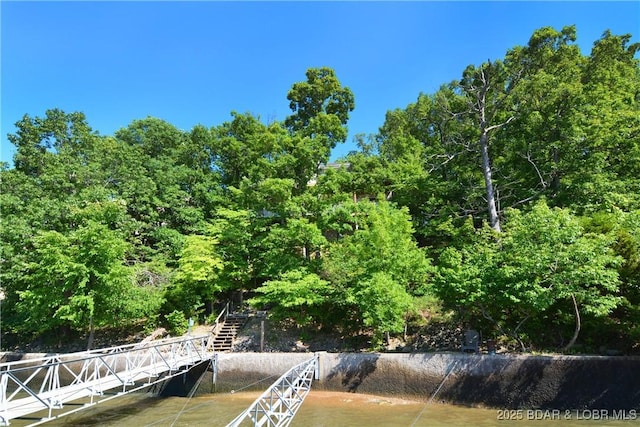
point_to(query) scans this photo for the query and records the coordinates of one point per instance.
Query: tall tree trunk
(494, 219)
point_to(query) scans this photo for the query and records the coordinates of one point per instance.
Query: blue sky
(194, 62)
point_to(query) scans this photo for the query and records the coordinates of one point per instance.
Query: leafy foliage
(79, 281)
(526, 274)
(366, 279)
(297, 294)
(196, 279)
(177, 322)
(157, 223)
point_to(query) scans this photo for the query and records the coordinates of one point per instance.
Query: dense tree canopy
(508, 196)
(521, 280)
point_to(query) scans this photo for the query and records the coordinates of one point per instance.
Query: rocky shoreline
(282, 337)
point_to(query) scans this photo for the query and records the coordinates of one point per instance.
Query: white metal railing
(42, 386)
(278, 405)
(218, 323)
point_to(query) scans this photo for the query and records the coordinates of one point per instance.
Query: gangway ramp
(50, 383)
(278, 405)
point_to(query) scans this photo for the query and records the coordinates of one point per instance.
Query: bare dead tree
(487, 89)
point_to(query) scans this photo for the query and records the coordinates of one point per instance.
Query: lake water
(322, 408)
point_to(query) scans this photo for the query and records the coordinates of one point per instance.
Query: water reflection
(320, 409)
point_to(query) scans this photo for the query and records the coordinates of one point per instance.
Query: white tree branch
(490, 128)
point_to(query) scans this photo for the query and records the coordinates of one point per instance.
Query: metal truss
(41, 387)
(278, 405)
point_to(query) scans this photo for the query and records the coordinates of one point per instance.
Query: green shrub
(176, 323)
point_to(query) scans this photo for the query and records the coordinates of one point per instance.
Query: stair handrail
(222, 317)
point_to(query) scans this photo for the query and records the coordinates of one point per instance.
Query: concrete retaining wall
(500, 381)
(547, 382)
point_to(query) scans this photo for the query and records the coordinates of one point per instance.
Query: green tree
(234, 231)
(296, 294)
(380, 241)
(295, 244)
(244, 149)
(321, 107)
(544, 147)
(608, 173)
(79, 281)
(384, 304)
(622, 326)
(542, 274)
(162, 181)
(38, 139)
(195, 282)
(365, 279)
(434, 163)
(155, 137)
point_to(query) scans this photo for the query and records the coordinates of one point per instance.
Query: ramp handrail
(88, 354)
(278, 405)
(48, 382)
